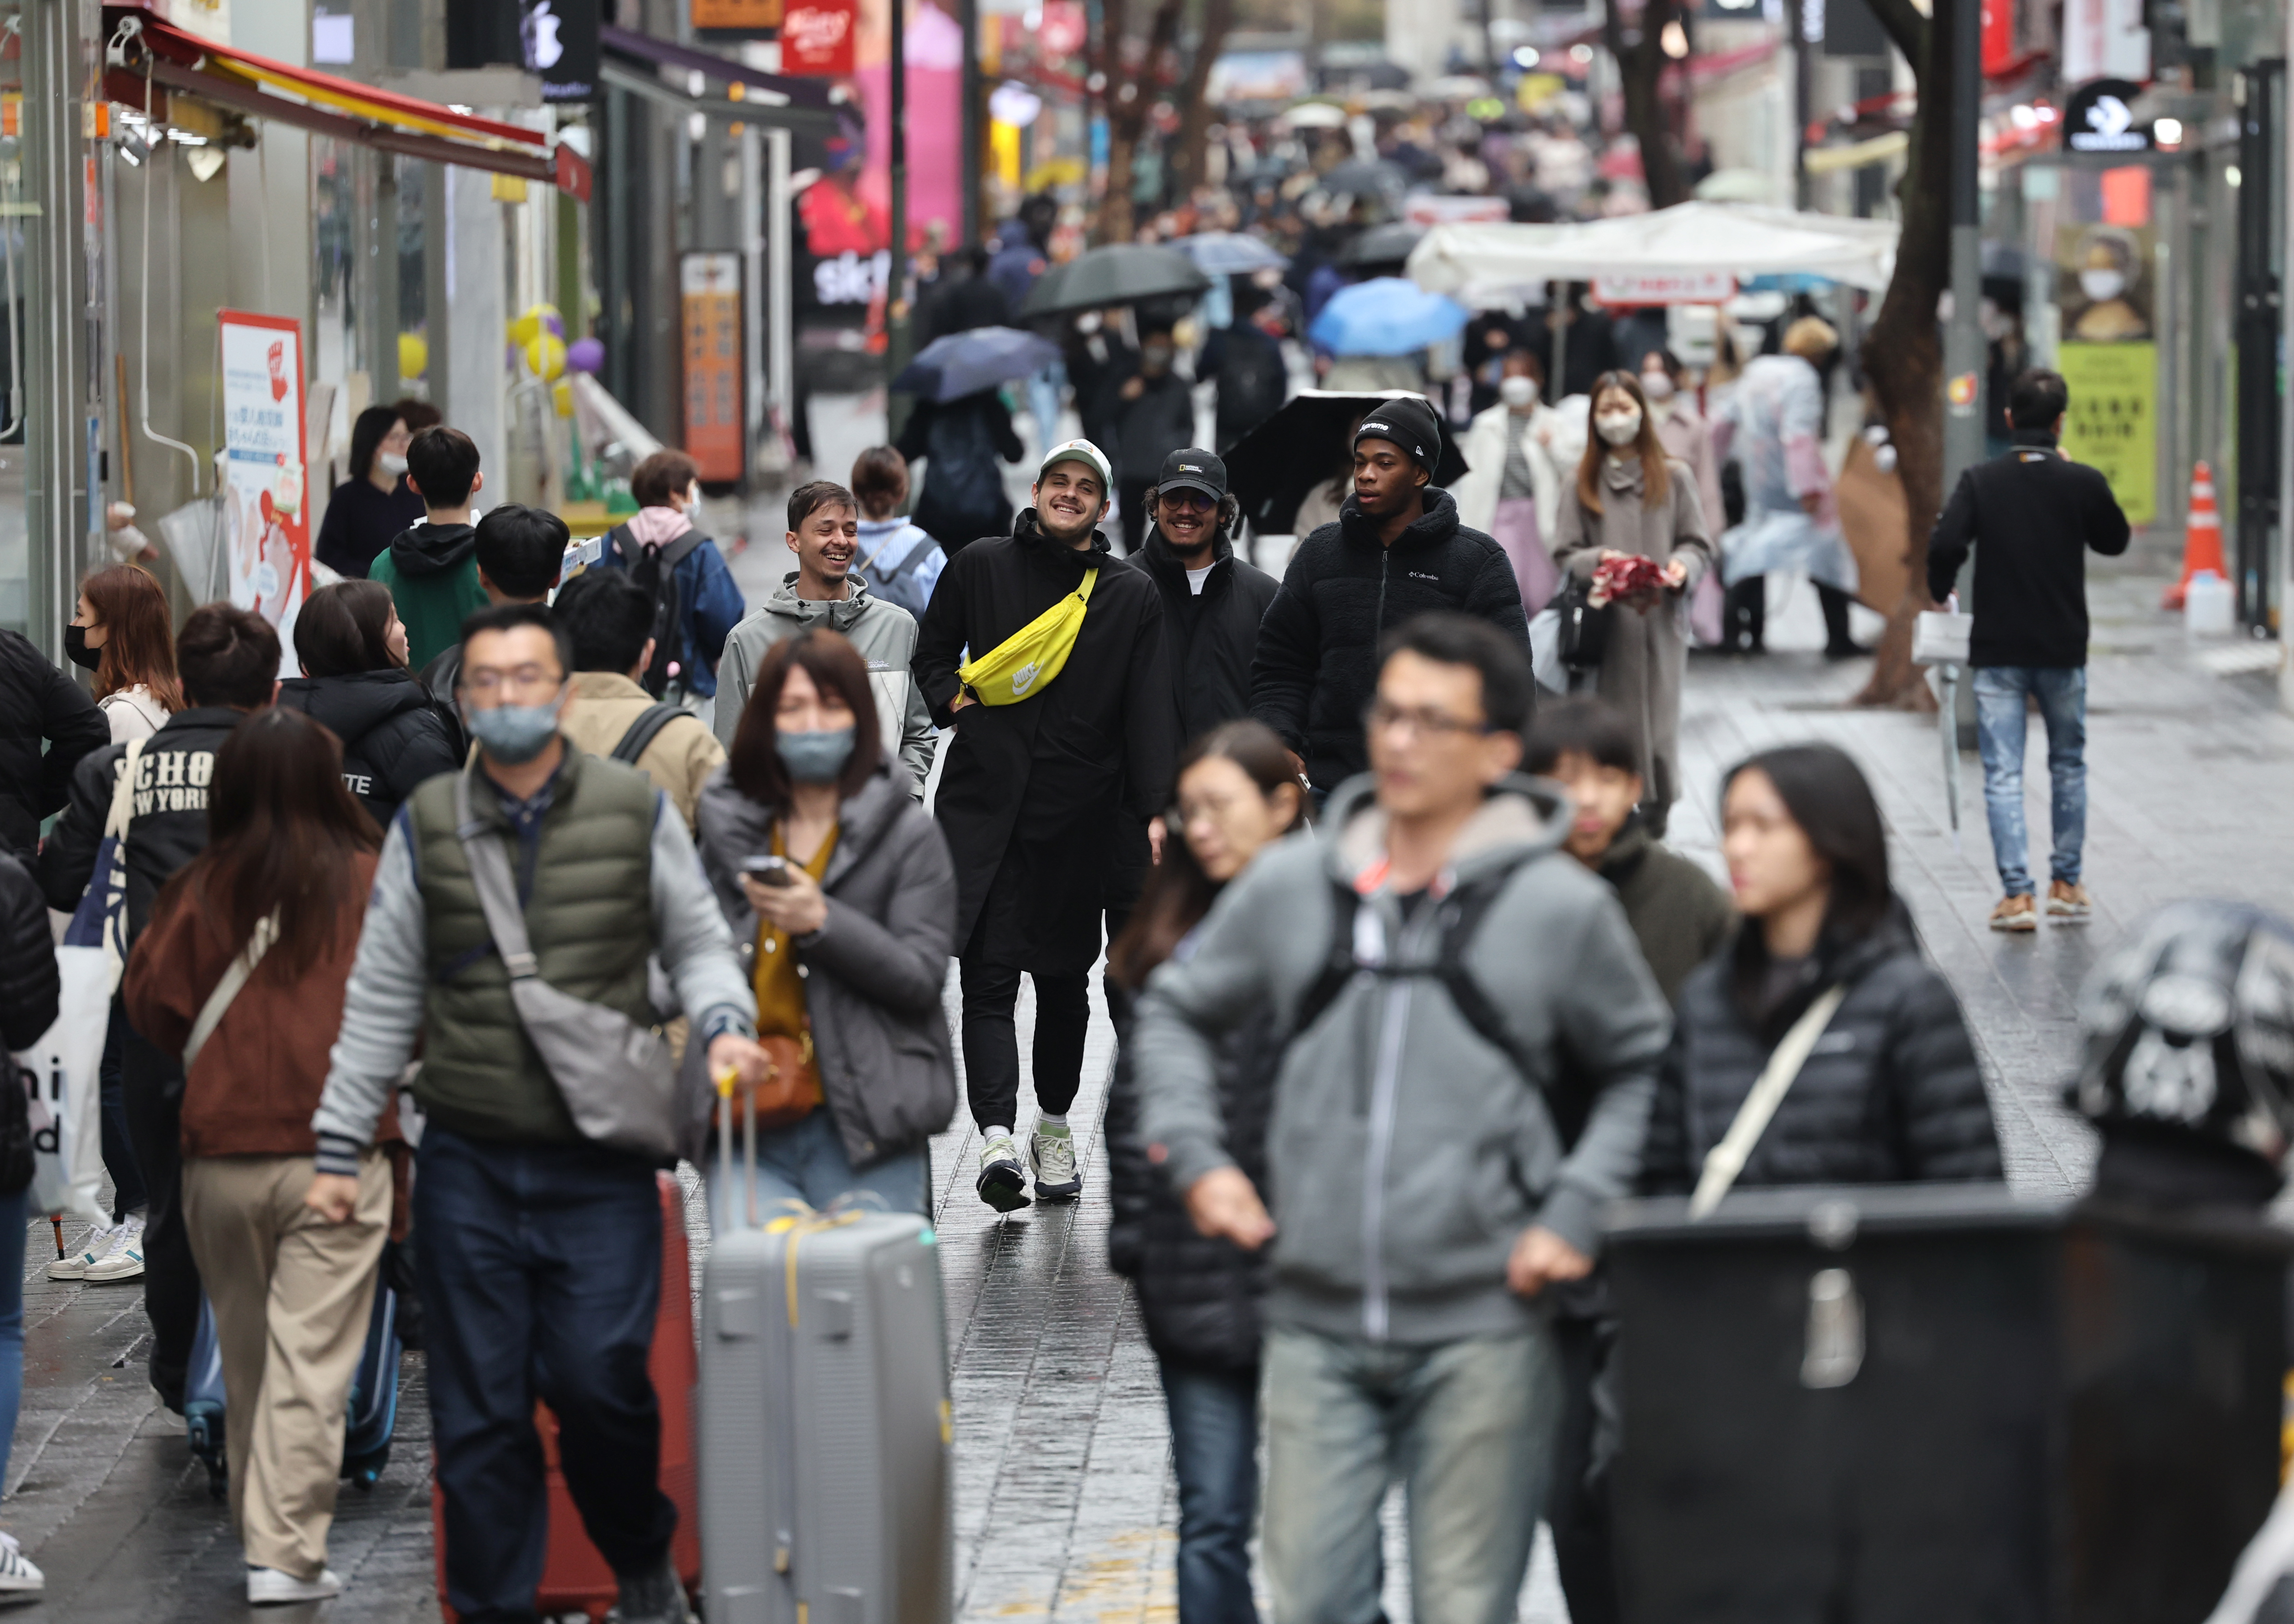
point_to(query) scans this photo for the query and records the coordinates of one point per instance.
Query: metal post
(752, 289)
(1963, 346)
(779, 267)
(970, 166)
(896, 281)
(57, 512)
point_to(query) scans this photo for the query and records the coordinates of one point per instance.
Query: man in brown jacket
(609, 619)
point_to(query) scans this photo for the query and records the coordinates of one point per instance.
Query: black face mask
(76, 650)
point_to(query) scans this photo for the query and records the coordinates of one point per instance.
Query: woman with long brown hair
(1200, 1296)
(842, 896)
(122, 631)
(1630, 500)
(241, 972)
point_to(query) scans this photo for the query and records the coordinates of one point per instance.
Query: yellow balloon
(545, 356)
(525, 329)
(414, 355)
(561, 396)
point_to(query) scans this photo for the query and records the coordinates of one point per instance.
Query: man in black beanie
(1395, 551)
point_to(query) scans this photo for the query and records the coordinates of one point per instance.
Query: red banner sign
(819, 36)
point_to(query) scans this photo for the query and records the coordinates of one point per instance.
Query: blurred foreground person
(240, 975)
(840, 894)
(1886, 1091)
(30, 992)
(538, 1260)
(1200, 1295)
(1437, 954)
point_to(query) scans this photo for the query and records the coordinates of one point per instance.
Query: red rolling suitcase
(574, 1577)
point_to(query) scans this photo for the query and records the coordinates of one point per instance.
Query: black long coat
(1029, 794)
(1212, 634)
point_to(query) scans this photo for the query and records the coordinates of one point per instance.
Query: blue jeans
(1214, 1449)
(539, 1267)
(1999, 727)
(1468, 1426)
(13, 1217)
(806, 1164)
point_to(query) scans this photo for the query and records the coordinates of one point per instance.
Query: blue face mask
(816, 758)
(514, 735)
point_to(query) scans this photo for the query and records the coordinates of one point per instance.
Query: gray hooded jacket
(873, 974)
(884, 633)
(1406, 1152)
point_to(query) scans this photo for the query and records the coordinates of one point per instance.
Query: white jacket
(1485, 447)
(132, 713)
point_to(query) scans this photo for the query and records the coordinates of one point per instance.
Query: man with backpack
(825, 534)
(696, 603)
(608, 621)
(1455, 984)
(961, 441)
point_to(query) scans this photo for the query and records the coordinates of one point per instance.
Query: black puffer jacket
(1317, 663)
(1199, 1297)
(394, 734)
(38, 704)
(30, 992)
(1892, 1093)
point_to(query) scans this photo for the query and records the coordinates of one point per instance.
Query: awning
(633, 61)
(148, 54)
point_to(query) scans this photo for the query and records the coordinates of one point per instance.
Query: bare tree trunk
(1641, 62)
(1903, 351)
(1194, 103)
(1129, 96)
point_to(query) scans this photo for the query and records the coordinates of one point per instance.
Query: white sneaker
(1001, 1183)
(268, 1587)
(75, 1267)
(18, 1576)
(123, 1260)
(1051, 1152)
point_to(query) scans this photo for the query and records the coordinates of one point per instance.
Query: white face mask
(2101, 285)
(1517, 390)
(693, 497)
(390, 463)
(1656, 386)
(1619, 427)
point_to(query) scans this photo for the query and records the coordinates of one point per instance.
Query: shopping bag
(60, 1073)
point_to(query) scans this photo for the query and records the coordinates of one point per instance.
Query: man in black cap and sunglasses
(1213, 600)
(1396, 551)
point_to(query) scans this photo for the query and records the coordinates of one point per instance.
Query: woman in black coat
(1199, 1295)
(1890, 1092)
(354, 679)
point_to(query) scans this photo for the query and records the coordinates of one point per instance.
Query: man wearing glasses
(540, 1261)
(1438, 954)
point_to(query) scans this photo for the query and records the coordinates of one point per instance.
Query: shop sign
(741, 16)
(266, 519)
(2113, 424)
(711, 287)
(819, 37)
(554, 40)
(1664, 288)
(2101, 118)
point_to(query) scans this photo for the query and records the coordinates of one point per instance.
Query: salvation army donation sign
(266, 520)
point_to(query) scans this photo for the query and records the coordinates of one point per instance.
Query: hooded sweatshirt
(432, 572)
(1317, 662)
(884, 634)
(1406, 1152)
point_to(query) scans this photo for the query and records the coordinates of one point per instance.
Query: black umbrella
(1308, 443)
(1363, 177)
(1381, 244)
(1120, 273)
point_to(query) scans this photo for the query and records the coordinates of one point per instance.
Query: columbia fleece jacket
(1407, 1152)
(1317, 662)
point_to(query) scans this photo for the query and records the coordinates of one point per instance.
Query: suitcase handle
(726, 1077)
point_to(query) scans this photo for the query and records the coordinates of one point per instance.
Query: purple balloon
(554, 325)
(585, 355)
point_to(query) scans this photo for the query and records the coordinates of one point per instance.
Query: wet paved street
(1065, 1504)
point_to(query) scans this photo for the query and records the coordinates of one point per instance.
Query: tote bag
(60, 1071)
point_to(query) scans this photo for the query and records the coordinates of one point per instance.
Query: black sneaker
(1003, 1183)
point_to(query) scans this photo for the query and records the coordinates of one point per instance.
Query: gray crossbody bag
(617, 1076)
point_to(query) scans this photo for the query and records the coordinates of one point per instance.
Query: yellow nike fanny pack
(1024, 663)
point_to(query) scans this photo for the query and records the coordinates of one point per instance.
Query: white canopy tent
(1490, 265)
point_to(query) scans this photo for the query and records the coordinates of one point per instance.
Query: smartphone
(767, 871)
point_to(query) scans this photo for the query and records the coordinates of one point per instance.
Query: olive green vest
(589, 912)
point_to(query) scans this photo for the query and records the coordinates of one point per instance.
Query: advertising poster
(711, 288)
(2113, 422)
(2103, 283)
(266, 522)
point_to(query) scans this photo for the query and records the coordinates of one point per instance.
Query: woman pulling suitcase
(241, 972)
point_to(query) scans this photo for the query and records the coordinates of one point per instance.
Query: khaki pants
(292, 1294)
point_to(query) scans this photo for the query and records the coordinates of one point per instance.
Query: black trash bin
(1941, 1405)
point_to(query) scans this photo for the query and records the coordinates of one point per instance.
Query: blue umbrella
(1230, 252)
(1386, 316)
(964, 363)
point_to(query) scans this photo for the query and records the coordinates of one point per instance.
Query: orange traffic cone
(2202, 537)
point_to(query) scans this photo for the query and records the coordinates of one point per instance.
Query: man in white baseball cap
(1051, 668)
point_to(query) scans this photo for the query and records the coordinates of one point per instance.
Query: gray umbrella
(1120, 273)
(1381, 244)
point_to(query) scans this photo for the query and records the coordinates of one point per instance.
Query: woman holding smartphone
(839, 888)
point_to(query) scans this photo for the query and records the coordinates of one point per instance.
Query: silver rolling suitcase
(824, 1430)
